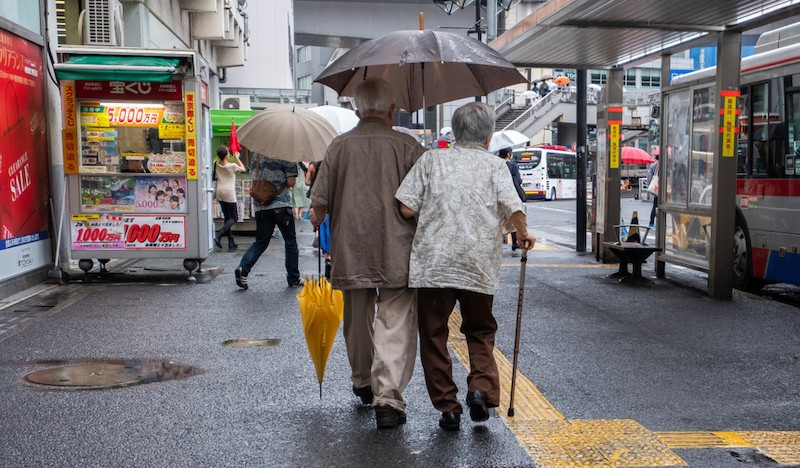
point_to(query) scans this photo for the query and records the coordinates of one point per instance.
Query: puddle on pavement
(251, 343)
(95, 374)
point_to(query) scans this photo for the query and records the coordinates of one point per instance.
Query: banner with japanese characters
(97, 232)
(153, 232)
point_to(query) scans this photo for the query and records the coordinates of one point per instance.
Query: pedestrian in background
(300, 201)
(370, 246)
(652, 171)
(516, 177)
(463, 196)
(225, 177)
(278, 212)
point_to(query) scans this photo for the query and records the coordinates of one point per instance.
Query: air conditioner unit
(102, 23)
(235, 101)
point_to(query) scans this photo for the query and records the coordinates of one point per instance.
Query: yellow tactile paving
(551, 440)
(698, 440)
(781, 446)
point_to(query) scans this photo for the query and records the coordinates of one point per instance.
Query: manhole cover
(251, 343)
(111, 374)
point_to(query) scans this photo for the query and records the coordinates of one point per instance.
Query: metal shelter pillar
(723, 204)
(661, 219)
(580, 211)
(608, 211)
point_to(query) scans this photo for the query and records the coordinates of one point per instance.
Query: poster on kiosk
(135, 174)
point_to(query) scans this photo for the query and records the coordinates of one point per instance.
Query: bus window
(777, 130)
(759, 128)
(555, 166)
(527, 159)
(793, 155)
(743, 157)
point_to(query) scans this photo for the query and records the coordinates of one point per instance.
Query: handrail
(509, 100)
(528, 112)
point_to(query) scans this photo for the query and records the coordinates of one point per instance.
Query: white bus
(548, 172)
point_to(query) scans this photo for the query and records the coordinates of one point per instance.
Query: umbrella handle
(523, 265)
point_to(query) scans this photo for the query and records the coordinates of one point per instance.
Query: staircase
(508, 117)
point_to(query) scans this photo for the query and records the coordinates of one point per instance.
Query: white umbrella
(445, 131)
(529, 94)
(593, 86)
(341, 119)
(408, 131)
(288, 133)
(507, 139)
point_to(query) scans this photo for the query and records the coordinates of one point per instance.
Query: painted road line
(563, 265)
(552, 209)
(551, 440)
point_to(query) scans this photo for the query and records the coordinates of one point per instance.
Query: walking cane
(523, 264)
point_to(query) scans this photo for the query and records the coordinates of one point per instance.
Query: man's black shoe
(450, 421)
(365, 393)
(387, 417)
(296, 283)
(478, 410)
(241, 278)
(232, 245)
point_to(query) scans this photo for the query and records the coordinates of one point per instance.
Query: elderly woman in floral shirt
(463, 196)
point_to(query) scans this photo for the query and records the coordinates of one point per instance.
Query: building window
(599, 77)
(303, 54)
(651, 78)
(304, 82)
(630, 78)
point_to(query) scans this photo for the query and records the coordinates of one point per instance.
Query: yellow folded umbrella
(321, 310)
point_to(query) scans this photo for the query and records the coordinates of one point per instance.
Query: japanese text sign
(729, 128)
(191, 136)
(171, 91)
(613, 144)
(69, 145)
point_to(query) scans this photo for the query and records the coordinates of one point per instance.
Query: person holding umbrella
(370, 247)
(463, 196)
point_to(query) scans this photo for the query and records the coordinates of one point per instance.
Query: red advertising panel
(23, 151)
(129, 90)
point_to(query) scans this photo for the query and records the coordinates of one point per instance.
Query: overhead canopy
(608, 33)
(221, 119)
(116, 68)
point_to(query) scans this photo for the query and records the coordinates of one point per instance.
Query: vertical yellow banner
(69, 135)
(191, 135)
(728, 128)
(613, 145)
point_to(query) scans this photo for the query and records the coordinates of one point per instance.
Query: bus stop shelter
(615, 34)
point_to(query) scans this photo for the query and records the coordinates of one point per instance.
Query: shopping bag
(653, 187)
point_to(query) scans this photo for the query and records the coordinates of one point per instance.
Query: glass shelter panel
(688, 238)
(676, 146)
(703, 143)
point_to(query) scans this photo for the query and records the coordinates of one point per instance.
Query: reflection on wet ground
(251, 343)
(90, 374)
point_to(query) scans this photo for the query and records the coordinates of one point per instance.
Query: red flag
(233, 144)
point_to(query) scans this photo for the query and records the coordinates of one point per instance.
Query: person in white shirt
(463, 196)
(225, 174)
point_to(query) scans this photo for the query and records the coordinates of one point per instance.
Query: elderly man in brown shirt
(370, 249)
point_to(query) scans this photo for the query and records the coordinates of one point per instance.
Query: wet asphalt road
(664, 356)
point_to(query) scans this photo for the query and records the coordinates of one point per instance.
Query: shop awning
(108, 68)
(221, 120)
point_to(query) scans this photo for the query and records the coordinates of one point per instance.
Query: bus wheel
(553, 193)
(742, 259)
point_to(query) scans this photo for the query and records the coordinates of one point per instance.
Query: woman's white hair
(473, 123)
(374, 95)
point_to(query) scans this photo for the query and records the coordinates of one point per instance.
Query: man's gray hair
(473, 123)
(374, 95)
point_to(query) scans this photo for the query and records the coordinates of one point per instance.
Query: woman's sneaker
(241, 278)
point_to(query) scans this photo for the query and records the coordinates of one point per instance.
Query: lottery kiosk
(136, 158)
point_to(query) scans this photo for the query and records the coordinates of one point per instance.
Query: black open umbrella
(425, 68)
